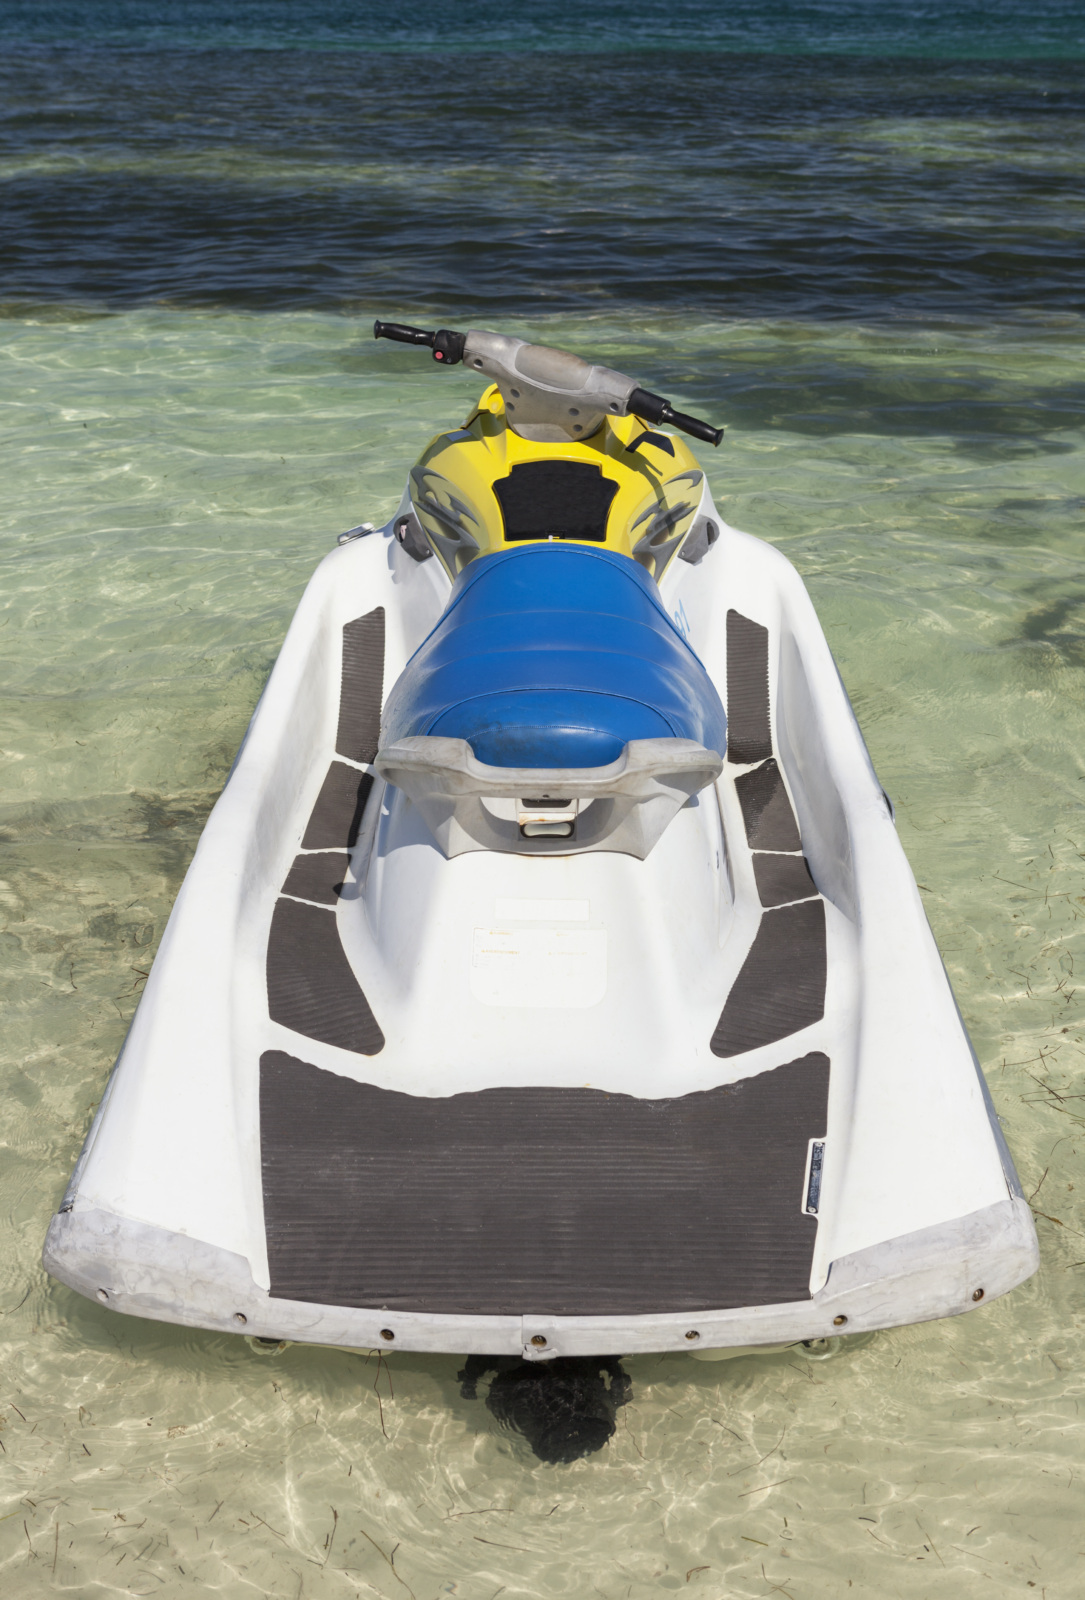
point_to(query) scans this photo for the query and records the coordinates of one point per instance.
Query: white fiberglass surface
(158, 556)
(434, 934)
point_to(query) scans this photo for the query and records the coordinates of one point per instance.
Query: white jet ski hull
(753, 1111)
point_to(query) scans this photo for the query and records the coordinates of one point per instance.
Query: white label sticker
(540, 911)
(555, 968)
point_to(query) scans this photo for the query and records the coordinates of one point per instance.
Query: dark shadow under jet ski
(565, 1408)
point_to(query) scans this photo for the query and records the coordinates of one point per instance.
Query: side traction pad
(311, 987)
(779, 879)
(337, 815)
(511, 1201)
(362, 690)
(766, 810)
(781, 987)
(320, 877)
(749, 737)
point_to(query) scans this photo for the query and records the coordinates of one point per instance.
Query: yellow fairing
(655, 501)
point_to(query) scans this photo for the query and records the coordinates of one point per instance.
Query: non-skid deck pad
(319, 877)
(311, 986)
(779, 879)
(555, 499)
(513, 1201)
(781, 987)
(337, 815)
(748, 734)
(362, 689)
(766, 810)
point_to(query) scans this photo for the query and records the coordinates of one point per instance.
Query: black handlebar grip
(402, 333)
(653, 408)
(642, 403)
(694, 426)
(447, 346)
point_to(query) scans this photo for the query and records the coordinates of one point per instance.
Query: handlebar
(447, 346)
(448, 349)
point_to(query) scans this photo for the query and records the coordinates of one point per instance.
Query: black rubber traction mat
(749, 737)
(766, 810)
(311, 987)
(555, 500)
(337, 815)
(781, 987)
(362, 690)
(779, 879)
(513, 1201)
(320, 877)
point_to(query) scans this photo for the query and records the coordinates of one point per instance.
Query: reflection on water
(171, 481)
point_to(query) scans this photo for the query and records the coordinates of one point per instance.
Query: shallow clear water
(180, 450)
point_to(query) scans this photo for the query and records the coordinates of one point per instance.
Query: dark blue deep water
(840, 159)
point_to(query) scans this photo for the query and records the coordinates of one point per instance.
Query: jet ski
(549, 980)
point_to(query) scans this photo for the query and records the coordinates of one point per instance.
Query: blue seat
(553, 655)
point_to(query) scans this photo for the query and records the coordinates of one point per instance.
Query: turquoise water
(869, 272)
